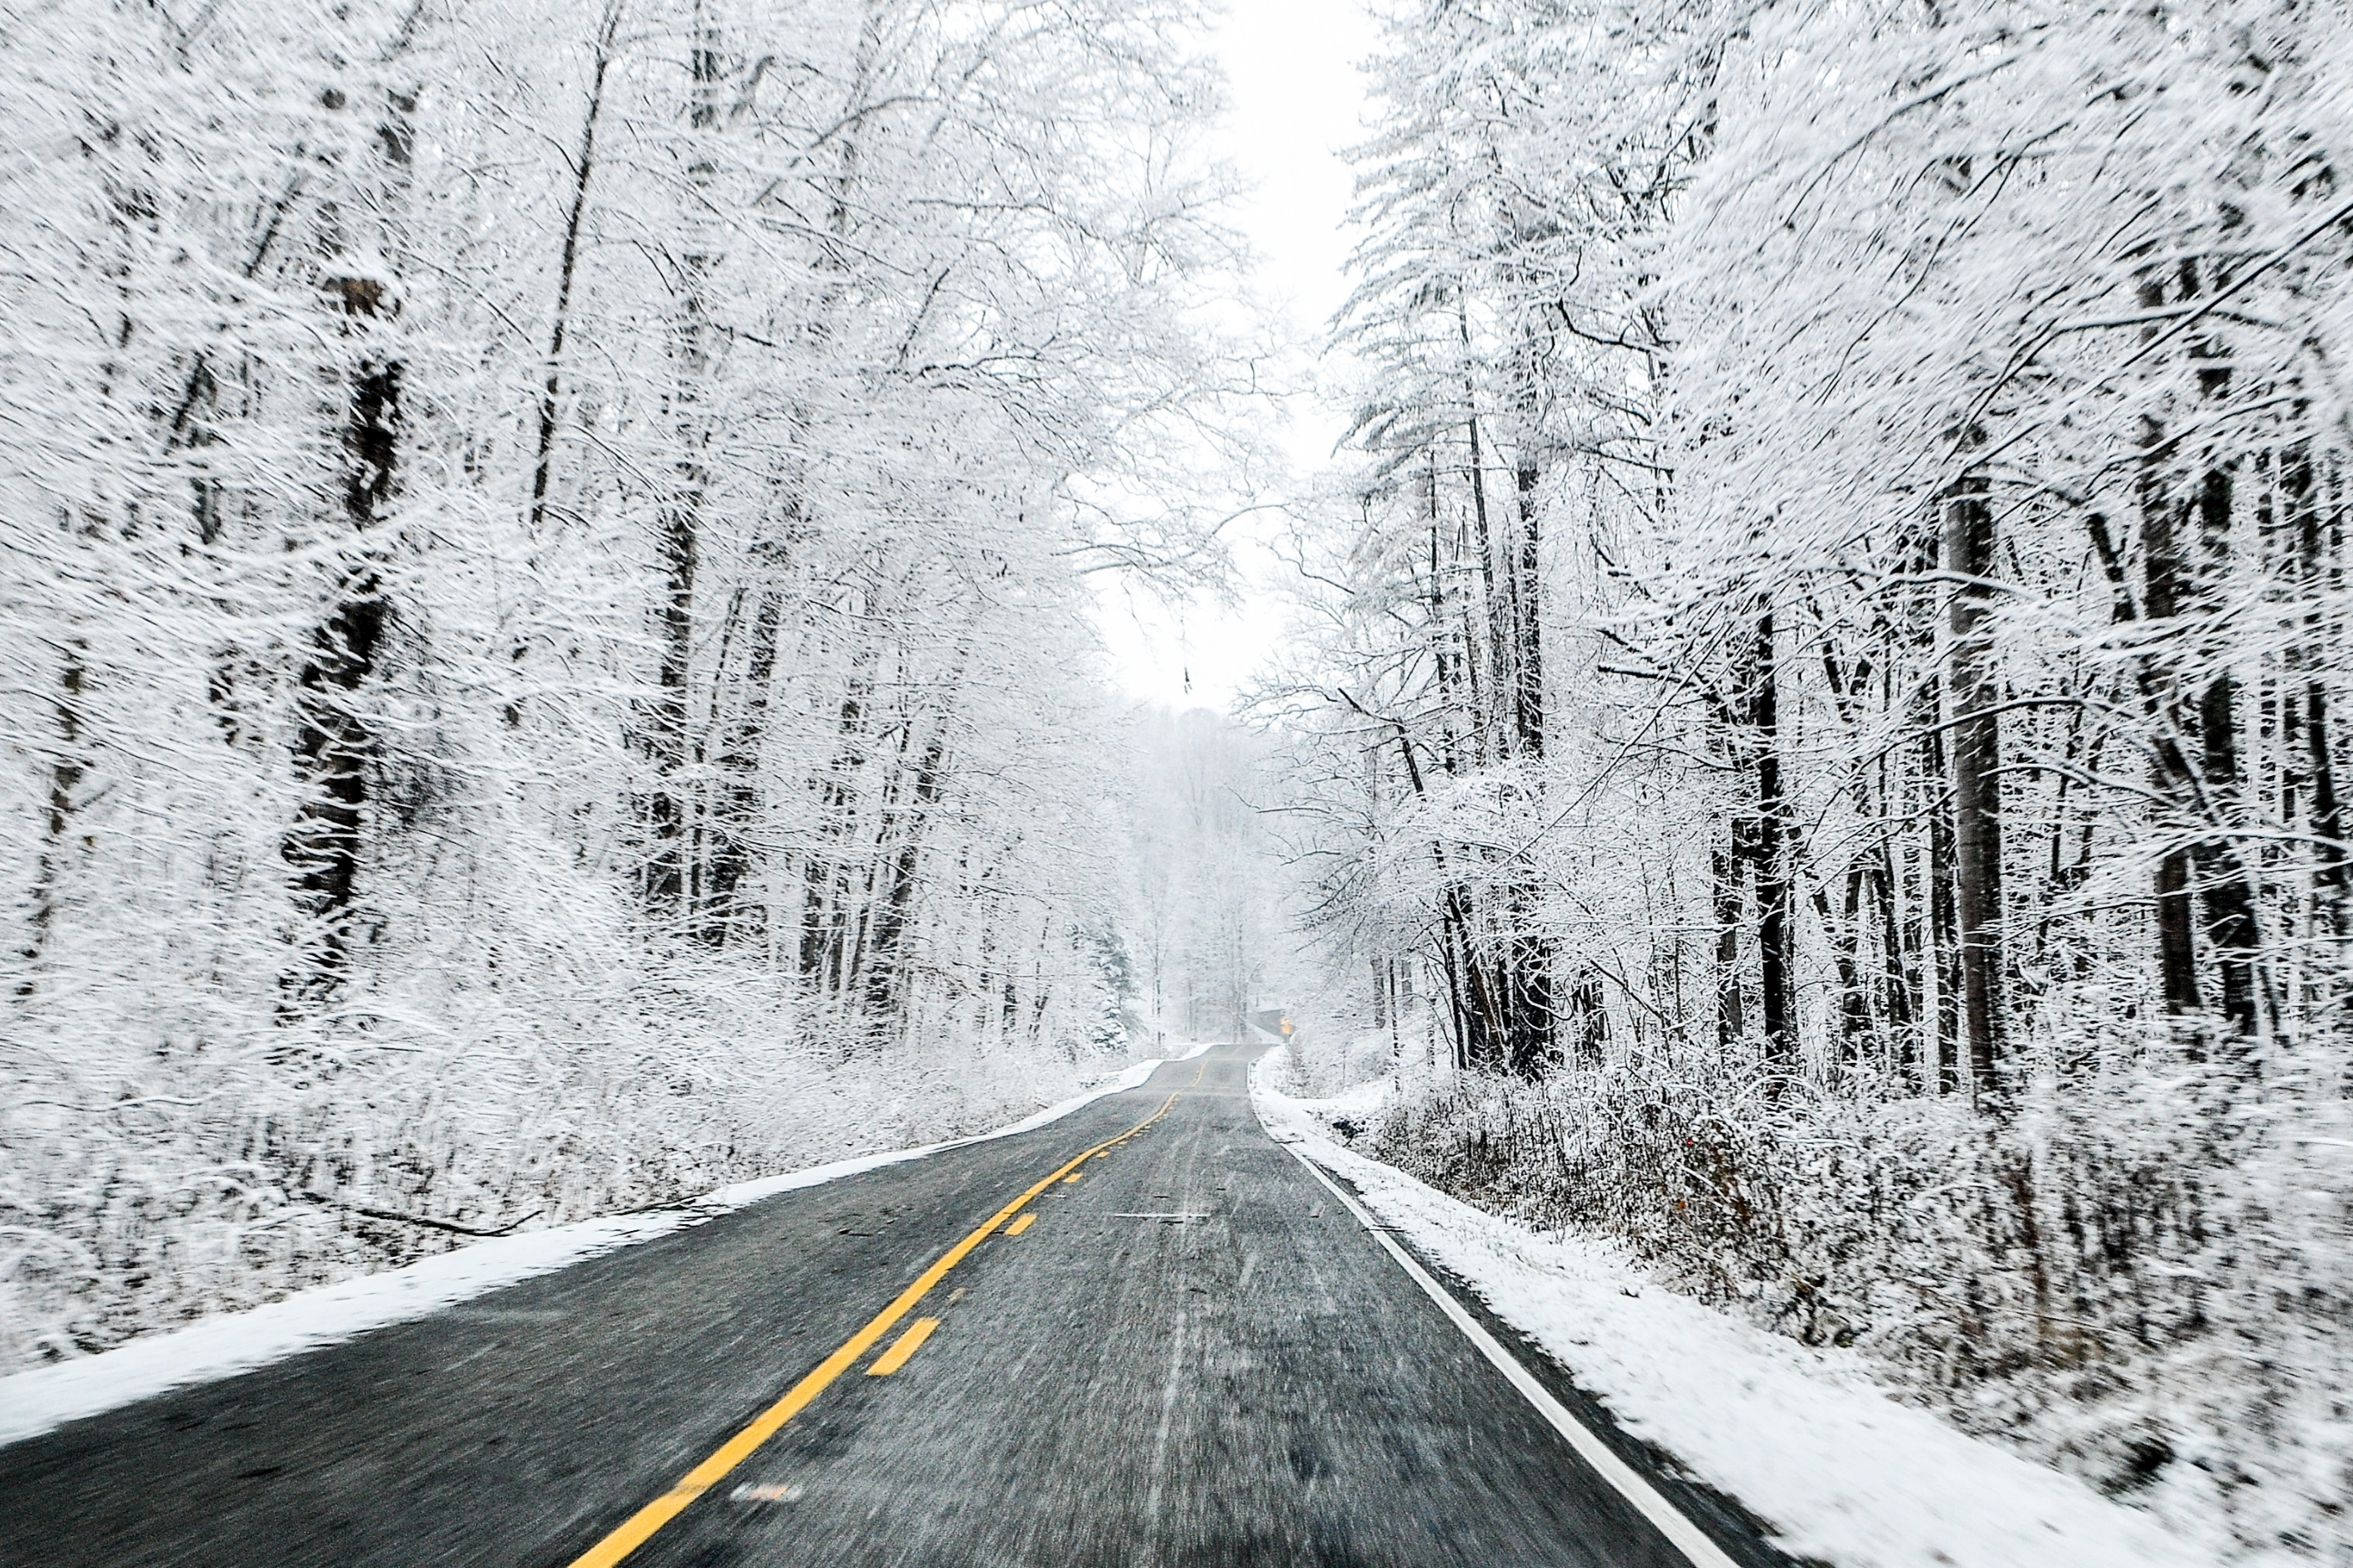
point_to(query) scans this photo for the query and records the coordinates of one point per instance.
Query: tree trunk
(334, 747)
(1844, 926)
(568, 269)
(65, 772)
(1528, 596)
(1725, 861)
(735, 806)
(1941, 962)
(1774, 938)
(1533, 955)
(2325, 814)
(1493, 727)
(1976, 751)
(2177, 958)
(2228, 901)
(669, 877)
(882, 963)
(823, 932)
(1899, 984)
(665, 875)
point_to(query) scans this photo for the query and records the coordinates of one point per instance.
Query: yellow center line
(1022, 1224)
(639, 1527)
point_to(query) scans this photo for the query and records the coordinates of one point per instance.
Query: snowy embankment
(1804, 1438)
(37, 1401)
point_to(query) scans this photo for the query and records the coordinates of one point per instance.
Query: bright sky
(1297, 101)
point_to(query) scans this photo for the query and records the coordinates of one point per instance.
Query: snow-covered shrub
(2147, 1279)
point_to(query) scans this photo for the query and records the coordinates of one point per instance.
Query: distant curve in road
(1156, 1339)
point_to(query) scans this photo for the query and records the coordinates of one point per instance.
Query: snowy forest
(1822, 699)
(553, 555)
(548, 584)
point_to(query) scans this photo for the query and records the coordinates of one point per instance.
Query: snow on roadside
(43, 1398)
(1804, 1438)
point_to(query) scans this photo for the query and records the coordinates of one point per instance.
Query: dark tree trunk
(1843, 926)
(884, 960)
(334, 746)
(2229, 902)
(1776, 938)
(1725, 862)
(568, 269)
(1532, 959)
(2177, 957)
(1589, 1021)
(1470, 1008)
(668, 876)
(665, 874)
(1976, 691)
(1528, 596)
(67, 771)
(735, 812)
(1942, 936)
(823, 930)
(1495, 730)
(1490, 641)
(1900, 984)
(1531, 1022)
(2176, 950)
(2325, 813)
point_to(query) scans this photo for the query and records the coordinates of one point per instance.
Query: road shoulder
(1796, 1441)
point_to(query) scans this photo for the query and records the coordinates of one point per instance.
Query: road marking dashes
(1021, 1223)
(640, 1526)
(905, 1345)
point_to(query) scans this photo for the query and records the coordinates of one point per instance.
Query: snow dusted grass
(37, 1401)
(1807, 1438)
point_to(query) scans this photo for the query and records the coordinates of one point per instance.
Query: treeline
(1210, 937)
(1830, 674)
(546, 601)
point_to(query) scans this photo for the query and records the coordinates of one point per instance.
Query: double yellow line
(640, 1526)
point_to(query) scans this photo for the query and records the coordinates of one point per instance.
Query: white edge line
(1672, 1522)
(39, 1400)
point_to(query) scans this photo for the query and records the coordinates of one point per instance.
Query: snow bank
(1804, 1438)
(39, 1400)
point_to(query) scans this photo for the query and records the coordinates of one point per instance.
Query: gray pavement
(1251, 1381)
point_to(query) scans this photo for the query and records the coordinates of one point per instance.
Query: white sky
(1297, 99)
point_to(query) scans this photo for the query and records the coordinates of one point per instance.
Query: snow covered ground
(1805, 1439)
(39, 1400)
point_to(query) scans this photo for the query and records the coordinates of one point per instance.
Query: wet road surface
(1189, 1354)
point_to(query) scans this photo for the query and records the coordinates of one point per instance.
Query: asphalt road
(1193, 1355)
